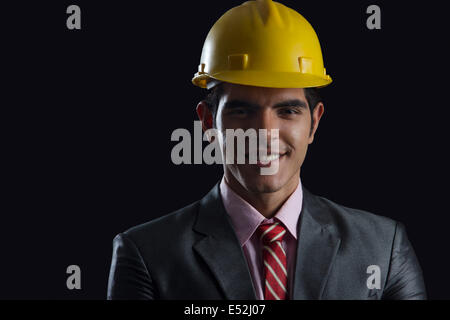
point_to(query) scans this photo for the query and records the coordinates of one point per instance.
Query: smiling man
(258, 236)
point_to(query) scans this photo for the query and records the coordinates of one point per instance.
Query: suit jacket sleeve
(128, 278)
(405, 280)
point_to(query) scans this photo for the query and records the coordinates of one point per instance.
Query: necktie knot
(271, 232)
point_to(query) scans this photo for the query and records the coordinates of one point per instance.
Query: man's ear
(317, 114)
(205, 115)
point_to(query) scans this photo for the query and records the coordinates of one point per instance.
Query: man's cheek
(300, 137)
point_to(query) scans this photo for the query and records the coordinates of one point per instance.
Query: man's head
(239, 52)
(294, 112)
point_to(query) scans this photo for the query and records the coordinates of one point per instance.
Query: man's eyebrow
(240, 104)
(291, 103)
(245, 104)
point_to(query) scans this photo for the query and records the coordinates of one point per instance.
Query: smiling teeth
(269, 158)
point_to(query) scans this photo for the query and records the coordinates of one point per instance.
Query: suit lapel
(318, 243)
(221, 250)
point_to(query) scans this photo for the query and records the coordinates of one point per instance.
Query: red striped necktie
(274, 256)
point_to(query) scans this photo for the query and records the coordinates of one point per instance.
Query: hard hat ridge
(267, 11)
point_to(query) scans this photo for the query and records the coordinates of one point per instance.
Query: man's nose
(266, 120)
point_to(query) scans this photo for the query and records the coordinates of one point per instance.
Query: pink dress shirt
(246, 219)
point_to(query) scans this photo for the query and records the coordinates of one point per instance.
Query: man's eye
(238, 111)
(289, 111)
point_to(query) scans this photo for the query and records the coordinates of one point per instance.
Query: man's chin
(264, 184)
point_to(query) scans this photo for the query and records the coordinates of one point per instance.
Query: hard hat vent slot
(305, 64)
(237, 61)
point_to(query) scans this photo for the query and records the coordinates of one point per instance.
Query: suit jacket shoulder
(351, 223)
(164, 230)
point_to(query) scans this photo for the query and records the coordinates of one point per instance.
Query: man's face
(244, 107)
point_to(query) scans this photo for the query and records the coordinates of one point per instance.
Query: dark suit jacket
(193, 253)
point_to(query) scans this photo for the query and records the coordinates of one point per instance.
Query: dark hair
(213, 97)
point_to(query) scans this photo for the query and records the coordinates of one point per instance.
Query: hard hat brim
(264, 79)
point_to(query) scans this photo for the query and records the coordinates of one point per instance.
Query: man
(264, 236)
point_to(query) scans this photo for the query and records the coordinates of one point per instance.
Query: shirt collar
(246, 219)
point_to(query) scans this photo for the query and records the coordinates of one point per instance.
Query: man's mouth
(265, 159)
(270, 157)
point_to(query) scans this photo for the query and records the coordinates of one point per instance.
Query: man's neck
(267, 203)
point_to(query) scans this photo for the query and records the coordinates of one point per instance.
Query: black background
(88, 115)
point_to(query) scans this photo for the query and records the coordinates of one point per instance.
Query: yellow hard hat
(262, 43)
